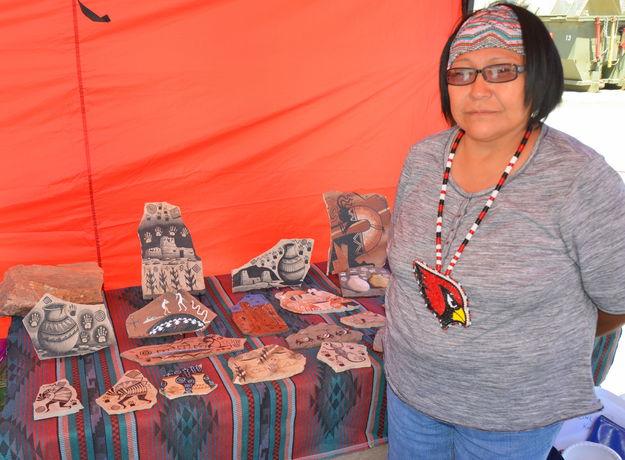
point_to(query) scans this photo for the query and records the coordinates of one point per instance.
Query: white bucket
(587, 450)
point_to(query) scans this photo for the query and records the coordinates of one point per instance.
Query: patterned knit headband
(494, 27)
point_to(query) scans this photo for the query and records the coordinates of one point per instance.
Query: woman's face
(489, 111)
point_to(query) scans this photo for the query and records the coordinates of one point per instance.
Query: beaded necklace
(444, 296)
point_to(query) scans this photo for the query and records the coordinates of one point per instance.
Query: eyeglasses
(496, 73)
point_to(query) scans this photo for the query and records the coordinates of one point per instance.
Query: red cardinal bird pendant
(443, 295)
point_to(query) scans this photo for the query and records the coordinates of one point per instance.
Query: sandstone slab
(343, 356)
(132, 392)
(271, 362)
(24, 285)
(56, 400)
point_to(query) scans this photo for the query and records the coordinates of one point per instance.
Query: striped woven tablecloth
(314, 414)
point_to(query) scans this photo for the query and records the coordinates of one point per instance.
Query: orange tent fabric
(240, 112)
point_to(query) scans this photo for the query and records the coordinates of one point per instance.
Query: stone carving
(188, 381)
(271, 362)
(169, 261)
(313, 336)
(256, 316)
(364, 320)
(313, 301)
(378, 340)
(341, 356)
(169, 314)
(358, 230)
(132, 392)
(365, 281)
(56, 400)
(24, 285)
(58, 328)
(187, 349)
(286, 264)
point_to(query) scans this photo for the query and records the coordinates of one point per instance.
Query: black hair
(544, 80)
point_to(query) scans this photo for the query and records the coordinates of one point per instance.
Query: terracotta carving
(169, 314)
(24, 285)
(364, 320)
(341, 356)
(313, 301)
(58, 328)
(286, 264)
(169, 262)
(187, 349)
(132, 392)
(313, 336)
(365, 281)
(358, 230)
(56, 400)
(188, 381)
(271, 362)
(256, 316)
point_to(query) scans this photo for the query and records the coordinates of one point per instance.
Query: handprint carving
(101, 334)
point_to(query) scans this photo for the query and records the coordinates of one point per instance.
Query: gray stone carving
(286, 264)
(169, 262)
(59, 328)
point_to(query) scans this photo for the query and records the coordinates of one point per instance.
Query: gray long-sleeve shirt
(550, 251)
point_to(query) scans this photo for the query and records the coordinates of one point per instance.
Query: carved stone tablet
(169, 262)
(358, 230)
(313, 301)
(271, 362)
(286, 264)
(366, 281)
(189, 381)
(256, 316)
(59, 328)
(364, 320)
(313, 336)
(56, 400)
(187, 349)
(24, 285)
(132, 392)
(171, 313)
(341, 356)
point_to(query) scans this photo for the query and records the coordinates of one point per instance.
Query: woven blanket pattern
(313, 414)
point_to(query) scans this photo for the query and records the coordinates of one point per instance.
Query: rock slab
(24, 285)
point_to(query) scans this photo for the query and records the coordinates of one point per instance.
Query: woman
(488, 344)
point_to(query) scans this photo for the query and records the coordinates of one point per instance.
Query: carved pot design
(58, 332)
(291, 267)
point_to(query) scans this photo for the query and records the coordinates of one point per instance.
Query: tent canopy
(242, 113)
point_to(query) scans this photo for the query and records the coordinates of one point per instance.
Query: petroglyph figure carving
(358, 230)
(164, 307)
(132, 392)
(181, 305)
(156, 319)
(187, 349)
(365, 319)
(344, 356)
(55, 400)
(271, 362)
(313, 336)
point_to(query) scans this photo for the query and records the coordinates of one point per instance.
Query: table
(315, 414)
